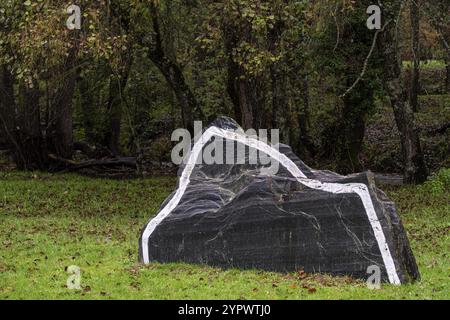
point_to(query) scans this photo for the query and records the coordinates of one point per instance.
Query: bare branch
(366, 61)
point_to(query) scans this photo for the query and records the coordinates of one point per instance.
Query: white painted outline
(360, 189)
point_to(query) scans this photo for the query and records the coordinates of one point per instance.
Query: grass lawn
(50, 222)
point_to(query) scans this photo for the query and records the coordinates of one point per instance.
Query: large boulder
(244, 216)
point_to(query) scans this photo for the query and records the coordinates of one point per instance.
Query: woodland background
(105, 99)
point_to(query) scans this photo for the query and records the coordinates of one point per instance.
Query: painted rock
(276, 215)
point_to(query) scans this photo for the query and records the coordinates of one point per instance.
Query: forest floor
(50, 222)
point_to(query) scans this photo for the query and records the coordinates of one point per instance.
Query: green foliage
(426, 64)
(252, 21)
(275, 45)
(35, 38)
(438, 184)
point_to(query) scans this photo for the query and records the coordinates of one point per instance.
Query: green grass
(49, 222)
(426, 64)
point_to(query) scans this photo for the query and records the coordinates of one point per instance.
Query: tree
(415, 31)
(19, 118)
(120, 19)
(437, 13)
(37, 49)
(356, 68)
(415, 170)
(248, 35)
(166, 62)
(63, 123)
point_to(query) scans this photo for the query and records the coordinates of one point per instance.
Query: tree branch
(366, 61)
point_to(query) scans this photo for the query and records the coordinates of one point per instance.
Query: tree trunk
(32, 141)
(63, 135)
(230, 42)
(116, 92)
(415, 79)
(243, 88)
(343, 139)
(305, 140)
(438, 10)
(87, 105)
(239, 87)
(352, 120)
(278, 78)
(415, 170)
(115, 115)
(171, 71)
(183, 93)
(8, 114)
(22, 126)
(245, 103)
(7, 103)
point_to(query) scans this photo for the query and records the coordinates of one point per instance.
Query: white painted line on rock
(360, 189)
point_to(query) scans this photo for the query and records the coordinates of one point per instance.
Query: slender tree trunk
(22, 125)
(279, 101)
(63, 135)
(415, 79)
(305, 140)
(230, 42)
(277, 77)
(415, 170)
(116, 92)
(232, 89)
(239, 87)
(344, 138)
(245, 103)
(7, 103)
(173, 74)
(306, 119)
(8, 114)
(183, 93)
(353, 121)
(64, 124)
(259, 99)
(115, 115)
(438, 11)
(280, 104)
(87, 105)
(33, 142)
